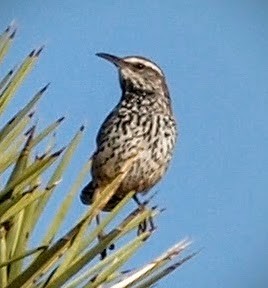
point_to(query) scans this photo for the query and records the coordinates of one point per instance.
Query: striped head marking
(137, 73)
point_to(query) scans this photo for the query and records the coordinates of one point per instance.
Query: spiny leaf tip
(31, 114)
(60, 119)
(57, 153)
(39, 51)
(44, 88)
(7, 29)
(10, 72)
(12, 35)
(31, 53)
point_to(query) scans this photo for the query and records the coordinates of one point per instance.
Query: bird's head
(137, 73)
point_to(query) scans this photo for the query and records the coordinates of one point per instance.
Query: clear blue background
(214, 54)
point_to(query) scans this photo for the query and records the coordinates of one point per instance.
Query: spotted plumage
(141, 125)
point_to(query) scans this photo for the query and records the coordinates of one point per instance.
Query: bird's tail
(87, 193)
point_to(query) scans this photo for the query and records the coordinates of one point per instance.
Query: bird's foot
(103, 254)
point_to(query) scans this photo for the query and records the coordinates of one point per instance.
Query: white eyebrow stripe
(145, 63)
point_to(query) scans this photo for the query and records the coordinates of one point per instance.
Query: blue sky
(214, 54)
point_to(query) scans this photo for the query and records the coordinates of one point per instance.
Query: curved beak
(111, 58)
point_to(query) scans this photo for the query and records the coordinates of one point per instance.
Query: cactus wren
(141, 124)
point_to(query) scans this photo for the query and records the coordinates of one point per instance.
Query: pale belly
(152, 156)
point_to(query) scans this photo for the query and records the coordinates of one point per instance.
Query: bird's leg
(143, 225)
(152, 226)
(101, 236)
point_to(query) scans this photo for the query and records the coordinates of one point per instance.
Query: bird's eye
(139, 66)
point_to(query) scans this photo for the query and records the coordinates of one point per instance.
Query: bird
(141, 125)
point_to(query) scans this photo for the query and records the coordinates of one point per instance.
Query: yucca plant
(70, 260)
